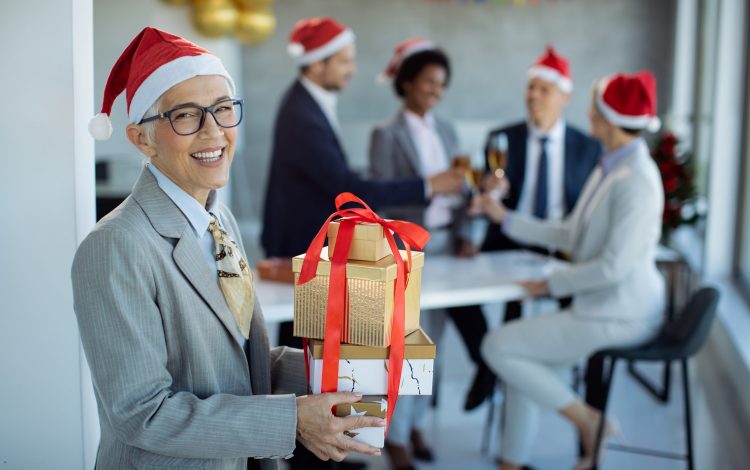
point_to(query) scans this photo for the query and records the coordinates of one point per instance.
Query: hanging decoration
(256, 21)
(250, 21)
(518, 3)
(214, 18)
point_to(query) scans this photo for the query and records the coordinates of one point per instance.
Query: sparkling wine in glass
(497, 156)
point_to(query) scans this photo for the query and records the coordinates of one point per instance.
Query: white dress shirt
(555, 170)
(327, 101)
(198, 216)
(433, 160)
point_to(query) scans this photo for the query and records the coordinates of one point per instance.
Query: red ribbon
(412, 235)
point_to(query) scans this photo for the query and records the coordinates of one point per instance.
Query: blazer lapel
(188, 257)
(570, 168)
(446, 137)
(407, 144)
(516, 169)
(169, 222)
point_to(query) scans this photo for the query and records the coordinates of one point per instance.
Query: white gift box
(367, 406)
(364, 369)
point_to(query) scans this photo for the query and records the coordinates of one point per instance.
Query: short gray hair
(150, 127)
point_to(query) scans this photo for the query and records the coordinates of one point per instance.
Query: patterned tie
(540, 190)
(235, 279)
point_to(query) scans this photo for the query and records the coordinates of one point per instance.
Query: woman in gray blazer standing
(173, 333)
(618, 294)
(416, 143)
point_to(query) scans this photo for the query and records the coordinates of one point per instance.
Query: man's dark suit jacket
(308, 170)
(581, 155)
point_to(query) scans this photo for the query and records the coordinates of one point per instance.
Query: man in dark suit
(548, 162)
(308, 164)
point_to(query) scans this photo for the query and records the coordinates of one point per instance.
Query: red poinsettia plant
(678, 178)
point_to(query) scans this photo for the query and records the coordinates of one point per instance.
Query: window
(742, 267)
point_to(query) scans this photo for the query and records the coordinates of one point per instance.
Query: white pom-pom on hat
(654, 125)
(100, 127)
(295, 49)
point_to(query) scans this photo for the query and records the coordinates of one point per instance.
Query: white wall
(47, 203)
(491, 46)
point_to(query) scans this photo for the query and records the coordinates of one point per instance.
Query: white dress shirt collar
(413, 119)
(197, 215)
(327, 100)
(556, 132)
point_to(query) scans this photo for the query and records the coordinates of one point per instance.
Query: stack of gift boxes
(366, 328)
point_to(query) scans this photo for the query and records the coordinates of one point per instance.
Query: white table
(446, 282)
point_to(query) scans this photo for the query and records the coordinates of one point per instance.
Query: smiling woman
(165, 303)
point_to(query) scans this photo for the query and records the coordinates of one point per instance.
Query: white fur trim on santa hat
(295, 49)
(169, 75)
(100, 127)
(553, 76)
(644, 121)
(418, 47)
(344, 38)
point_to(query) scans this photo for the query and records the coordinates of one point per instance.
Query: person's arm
(317, 160)
(288, 371)
(123, 336)
(553, 234)
(634, 221)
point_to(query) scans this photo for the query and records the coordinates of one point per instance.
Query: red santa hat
(153, 62)
(401, 52)
(554, 68)
(629, 101)
(314, 39)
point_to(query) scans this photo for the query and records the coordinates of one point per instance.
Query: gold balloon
(176, 2)
(254, 4)
(214, 18)
(255, 26)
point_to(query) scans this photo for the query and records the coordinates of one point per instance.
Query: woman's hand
(535, 288)
(323, 433)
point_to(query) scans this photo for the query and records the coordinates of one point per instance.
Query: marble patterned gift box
(370, 288)
(364, 369)
(368, 406)
(368, 242)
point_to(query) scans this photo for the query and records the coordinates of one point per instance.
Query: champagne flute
(497, 158)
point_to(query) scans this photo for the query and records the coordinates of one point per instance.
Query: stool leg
(487, 434)
(688, 415)
(605, 399)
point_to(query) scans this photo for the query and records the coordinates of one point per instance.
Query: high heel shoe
(611, 431)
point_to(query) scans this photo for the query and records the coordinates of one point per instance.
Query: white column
(679, 117)
(726, 140)
(47, 203)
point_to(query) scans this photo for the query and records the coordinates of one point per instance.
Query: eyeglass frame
(205, 110)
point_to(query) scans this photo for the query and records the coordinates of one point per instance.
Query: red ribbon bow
(412, 235)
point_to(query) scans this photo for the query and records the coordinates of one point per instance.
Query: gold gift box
(370, 288)
(417, 345)
(368, 242)
(376, 406)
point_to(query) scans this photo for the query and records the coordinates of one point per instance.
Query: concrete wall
(491, 47)
(47, 414)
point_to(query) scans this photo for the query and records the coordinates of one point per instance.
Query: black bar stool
(678, 341)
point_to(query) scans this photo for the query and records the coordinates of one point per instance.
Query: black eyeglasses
(188, 119)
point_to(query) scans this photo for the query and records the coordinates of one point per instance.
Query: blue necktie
(540, 191)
